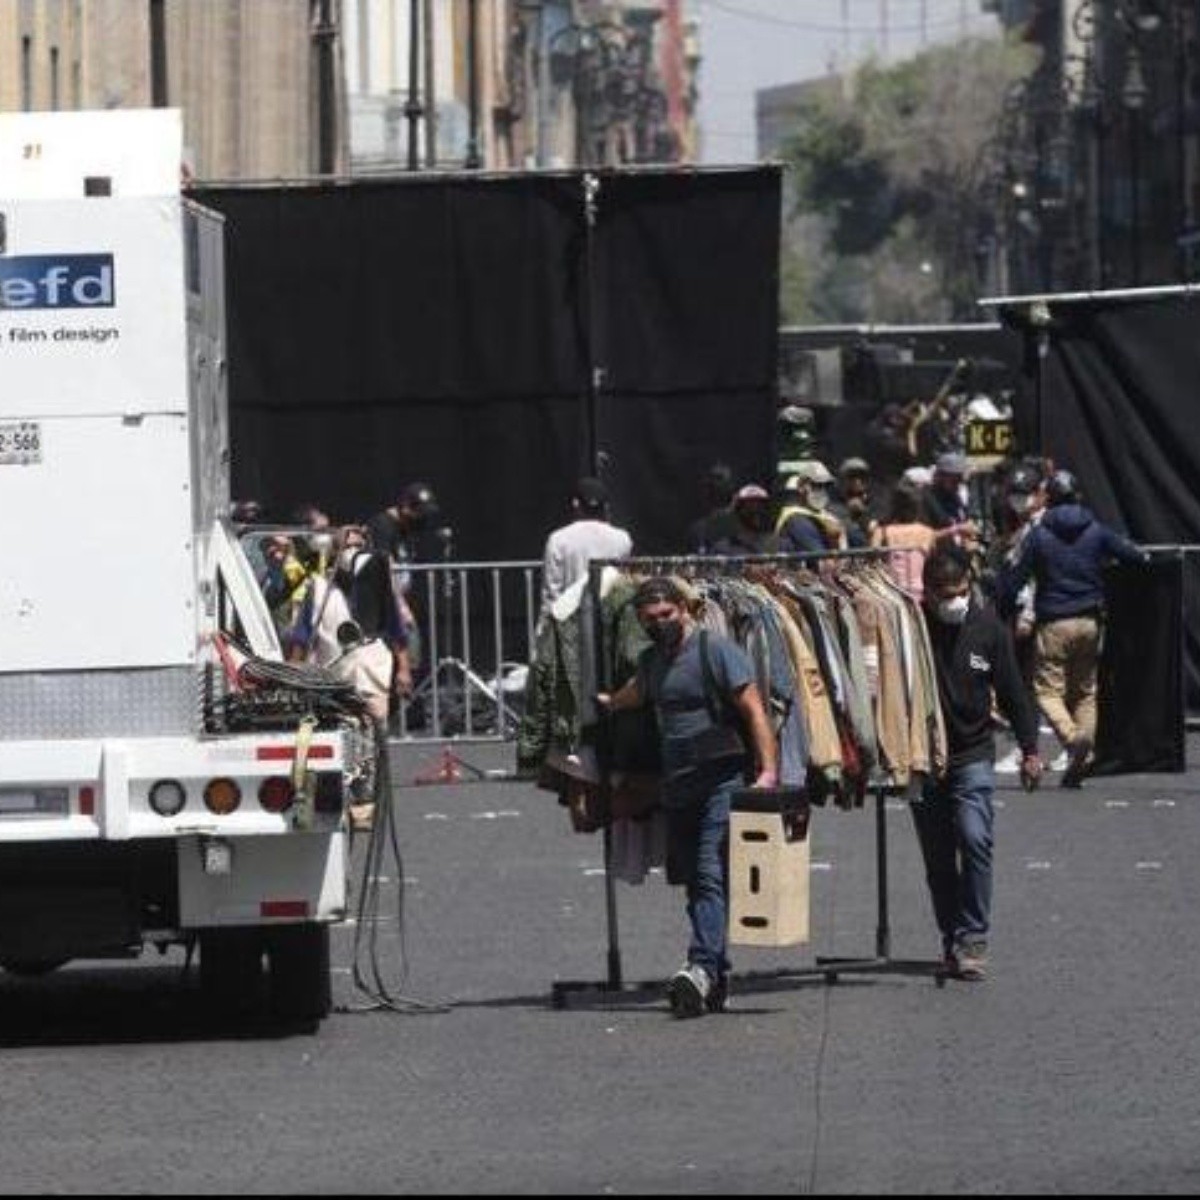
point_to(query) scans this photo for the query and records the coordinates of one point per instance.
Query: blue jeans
(698, 838)
(955, 822)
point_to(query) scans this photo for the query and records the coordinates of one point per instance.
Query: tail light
(276, 794)
(222, 797)
(168, 798)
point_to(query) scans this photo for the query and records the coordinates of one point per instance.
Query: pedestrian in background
(589, 535)
(753, 525)
(401, 530)
(805, 524)
(852, 504)
(718, 521)
(910, 540)
(954, 817)
(946, 497)
(1064, 556)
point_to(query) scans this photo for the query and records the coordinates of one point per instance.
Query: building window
(55, 95)
(27, 74)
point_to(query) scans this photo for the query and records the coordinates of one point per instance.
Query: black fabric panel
(437, 329)
(502, 470)
(657, 453)
(1121, 409)
(687, 282)
(436, 290)
(1141, 718)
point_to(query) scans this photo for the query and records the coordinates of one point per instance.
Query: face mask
(818, 499)
(666, 635)
(757, 519)
(953, 611)
(346, 559)
(1020, 504)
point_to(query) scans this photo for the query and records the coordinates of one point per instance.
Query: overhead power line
(763, 18)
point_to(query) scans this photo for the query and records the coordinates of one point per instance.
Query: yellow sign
(990, 439)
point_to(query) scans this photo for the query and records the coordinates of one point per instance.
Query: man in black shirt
(973, 656)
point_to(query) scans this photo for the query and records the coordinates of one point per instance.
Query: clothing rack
(830, 969)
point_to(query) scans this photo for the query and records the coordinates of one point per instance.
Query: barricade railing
(476, 626)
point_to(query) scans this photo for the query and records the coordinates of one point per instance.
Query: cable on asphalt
(368, 971)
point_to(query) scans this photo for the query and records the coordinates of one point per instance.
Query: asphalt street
(1073, 1069)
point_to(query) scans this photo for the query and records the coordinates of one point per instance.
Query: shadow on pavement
(121, 1006)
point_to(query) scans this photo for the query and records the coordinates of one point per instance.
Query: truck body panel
(121, 575)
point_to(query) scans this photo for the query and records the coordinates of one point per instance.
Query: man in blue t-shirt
(702, 688)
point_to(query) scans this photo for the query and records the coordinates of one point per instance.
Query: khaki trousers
(1064, 677)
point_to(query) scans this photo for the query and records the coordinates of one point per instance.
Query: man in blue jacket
(1065, 556)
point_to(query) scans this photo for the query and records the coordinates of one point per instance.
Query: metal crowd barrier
(476, 626)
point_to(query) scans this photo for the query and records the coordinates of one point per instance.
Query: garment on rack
(839, 652)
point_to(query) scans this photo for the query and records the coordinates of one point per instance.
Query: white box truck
(149, 795)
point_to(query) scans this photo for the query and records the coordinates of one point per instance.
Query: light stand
(453, 676)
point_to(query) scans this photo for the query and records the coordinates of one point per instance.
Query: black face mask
(758, 520)
(666, 635)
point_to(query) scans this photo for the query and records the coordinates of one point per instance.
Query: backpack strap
(713, 700)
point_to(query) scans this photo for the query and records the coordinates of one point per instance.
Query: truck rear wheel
(300, 987)
(231, 969)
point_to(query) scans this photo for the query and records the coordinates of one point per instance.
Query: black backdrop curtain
(1112, 396)
(446, 329)
(1141, 725)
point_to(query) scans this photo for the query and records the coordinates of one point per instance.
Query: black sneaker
(718, 996)
(688, 991)
(1080, 755)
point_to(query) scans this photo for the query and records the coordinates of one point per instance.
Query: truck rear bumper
(100, 789)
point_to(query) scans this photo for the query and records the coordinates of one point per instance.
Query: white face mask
(347, 557)
(953, 611)
(818, 498)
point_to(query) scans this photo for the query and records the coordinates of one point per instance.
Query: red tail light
(276, 794)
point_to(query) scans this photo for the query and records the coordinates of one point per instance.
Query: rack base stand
(614, 990)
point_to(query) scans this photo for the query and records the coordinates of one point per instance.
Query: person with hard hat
(805, 524)
(852, 504)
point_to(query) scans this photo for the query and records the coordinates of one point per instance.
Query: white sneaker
(1061, 762)
(688, 991)
(1010, 763)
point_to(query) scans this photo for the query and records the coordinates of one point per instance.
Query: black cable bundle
(317, 681)
(368, 972)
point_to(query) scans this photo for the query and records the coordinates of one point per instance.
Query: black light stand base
(608, 993)
(830, 970)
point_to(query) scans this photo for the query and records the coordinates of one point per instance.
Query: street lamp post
(324, 34)
(474, 159)
(413, 109)
(1133, 96)
(158, 54)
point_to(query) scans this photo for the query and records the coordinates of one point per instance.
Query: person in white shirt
(589, 536)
